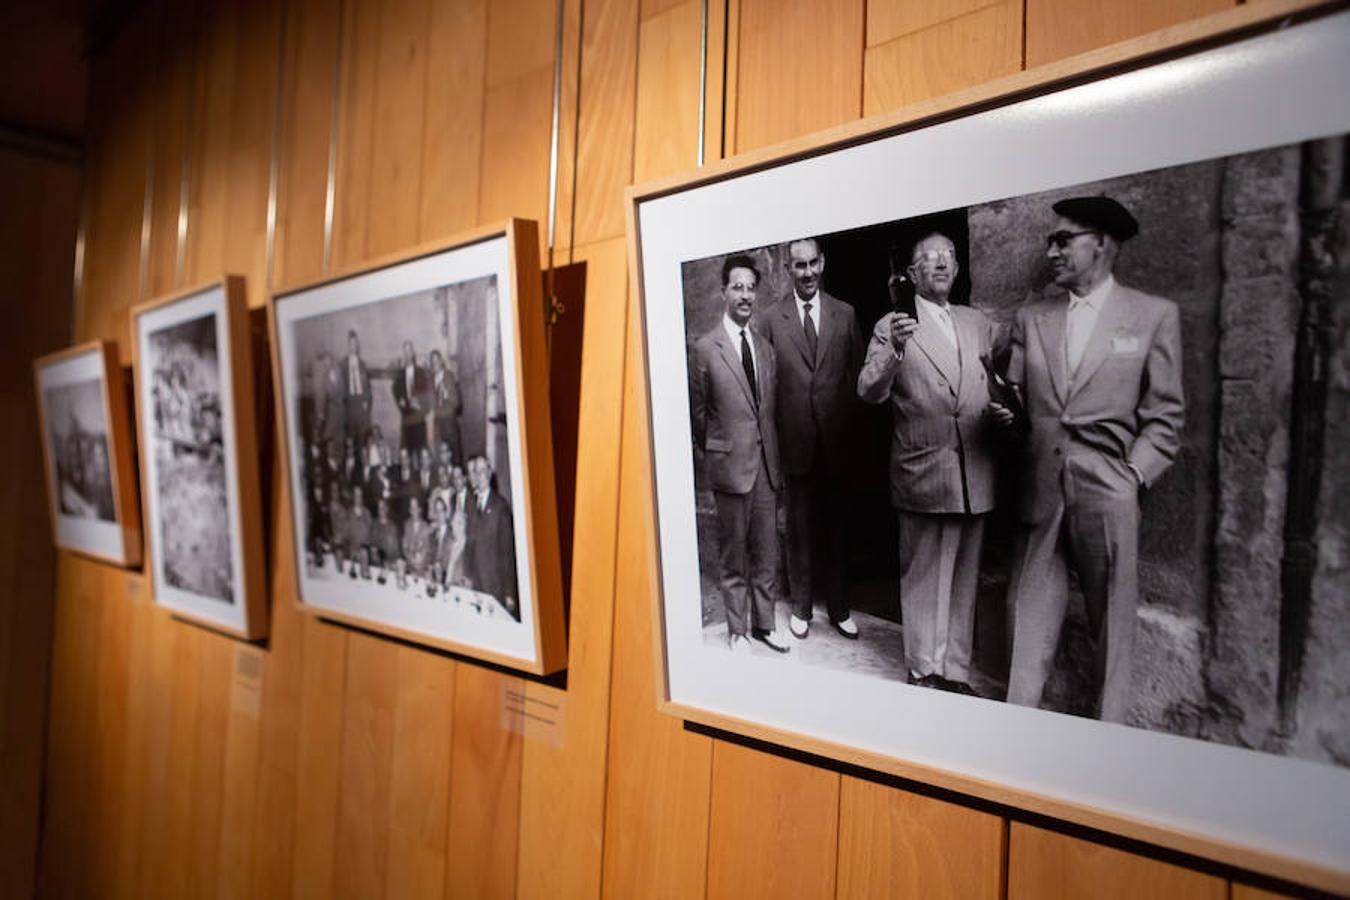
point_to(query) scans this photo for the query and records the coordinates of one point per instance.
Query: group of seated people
(424, 516)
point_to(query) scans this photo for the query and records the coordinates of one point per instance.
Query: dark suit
(447, 404)
(356, 398)
(942, 478)
(814, 404)
(1123, 406)
(739, 443)
(411, 400)
(490, 551)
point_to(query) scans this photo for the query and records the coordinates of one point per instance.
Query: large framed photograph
(413, 397)
(1004, 447)
(86, 448)
(199, 457)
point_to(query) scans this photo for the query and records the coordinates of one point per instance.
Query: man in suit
(942, 460)
(355, 391)
(490, 553)
(410, 392)
(732, 391)
(446, 403)
(819, 351)
(1099, 367)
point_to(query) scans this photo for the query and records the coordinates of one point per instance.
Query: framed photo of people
(86, 449)
(1003, 449)
(413, 397)
(199, 457)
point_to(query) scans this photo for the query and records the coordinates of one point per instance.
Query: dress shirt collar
(814, 300)
(1095, 298)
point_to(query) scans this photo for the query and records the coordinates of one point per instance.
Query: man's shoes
(958, 687)
(769, 639)
(739, 645)
(799, 627)
(846, 627)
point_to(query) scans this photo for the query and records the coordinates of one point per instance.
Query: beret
(1100, 214)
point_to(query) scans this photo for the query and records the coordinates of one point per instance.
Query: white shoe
(798, 626)
(846, 627)
(740, 645)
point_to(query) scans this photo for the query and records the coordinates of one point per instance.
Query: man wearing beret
(1099, 367)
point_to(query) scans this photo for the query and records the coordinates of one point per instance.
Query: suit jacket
(728, 428)
(942, 446)
(490, 551)
(815, 394)
(1125, 401)
(411, 400)
(359, 401)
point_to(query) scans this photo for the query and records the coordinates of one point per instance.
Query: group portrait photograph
(1021, 451)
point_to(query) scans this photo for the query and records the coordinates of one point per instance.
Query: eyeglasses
(1061, 239)
(931, 257)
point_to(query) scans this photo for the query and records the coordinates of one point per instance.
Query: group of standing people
(1091, 402)
(420, 512)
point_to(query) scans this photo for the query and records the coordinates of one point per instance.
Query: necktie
(748, 363)
(810, 327)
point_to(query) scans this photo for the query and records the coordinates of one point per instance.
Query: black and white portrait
(81, 396)
(1008, 446)
(400, 418)
(192, 522)
(199, 457)
(77, 432)
(402, 452)
(998, 450)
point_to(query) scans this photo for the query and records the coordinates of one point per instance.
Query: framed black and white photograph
(1002, 449)
(414, 403)
(86, 442)
(199, 457)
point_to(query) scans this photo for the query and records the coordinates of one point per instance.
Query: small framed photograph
(86, 443)
(1003, 448)
(199, 457)
(413, 401)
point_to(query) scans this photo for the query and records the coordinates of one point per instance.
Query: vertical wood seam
(274, 167)
(330, 191)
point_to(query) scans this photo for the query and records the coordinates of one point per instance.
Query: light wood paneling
(773, 826)
(660, 775)
(799, 69)
(666, 120)
(609, 59)
(1060, 28)
(1046, 865)
(451, 146)
(366, 770)
(330, 762)
(1247, 892)
(944, 57)
(893, 843)
(419, 795)
(890, 19)
(484, 789)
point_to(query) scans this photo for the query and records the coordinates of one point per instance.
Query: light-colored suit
(815, 400)
(740, 452)
(1079, 496)
(942, 478)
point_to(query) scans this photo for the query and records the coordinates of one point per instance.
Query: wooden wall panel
(773, 826)
(1060, 28)
(328, 761)
(1047, 865)
(944, 56)
(893, 843)
(799, 68)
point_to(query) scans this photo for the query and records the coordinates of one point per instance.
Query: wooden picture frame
(106, 527)
(197, 426)
(1177, 98)
(461, 306)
